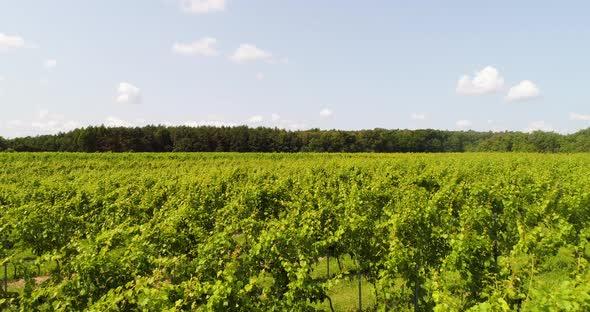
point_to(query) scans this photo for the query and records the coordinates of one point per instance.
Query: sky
(457, 64)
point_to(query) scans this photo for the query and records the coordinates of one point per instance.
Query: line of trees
(245, 139)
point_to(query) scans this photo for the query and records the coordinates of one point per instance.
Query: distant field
(257, 232)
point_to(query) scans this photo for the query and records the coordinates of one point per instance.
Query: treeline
(245, 139)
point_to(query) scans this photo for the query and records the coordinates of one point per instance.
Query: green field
(253, 232)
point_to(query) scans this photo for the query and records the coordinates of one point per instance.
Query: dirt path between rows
(21, 282)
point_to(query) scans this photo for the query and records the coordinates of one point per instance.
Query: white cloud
(11, 42)
(576, 116)
(113, 121)
(540, 125)
(71, 125)
(211, 120)
(13, 124)
(295, 126)
(291, 125)
(326, 112)
(50, 64)
(278, 121)
(416, 116)
(203, 47)
(44, 123)
(259, 76)
(525, 90)
(256, 119)
(487, 80)
(43, 113)
(53, 126)
(128, 94)
(497, 125)
(201, 123)
(464, 123)
(203, 6)
(250, 53)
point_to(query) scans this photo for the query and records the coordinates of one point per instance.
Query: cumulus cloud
(576, 116)
(50, 64)
(295, 126)
(11, 42)
(44, 122)
(113, 121)
(540, 125)
(128, 94)
(326, 112)
(256, 119)
(464, 123)
(201, 123)
(416, 116)
(497, 125)
(203, 47)
(53, 126)
(13, 124)
(43, 113)
(290, 124)
(525, 90)
(487, 80)
(276, 120)
(211, 121)
(250, 53)
(203, 6)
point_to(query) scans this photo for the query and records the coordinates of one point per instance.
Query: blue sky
(502, 65)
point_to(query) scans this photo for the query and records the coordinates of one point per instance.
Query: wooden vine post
(416, 289)
(360, 282)
(5, 276)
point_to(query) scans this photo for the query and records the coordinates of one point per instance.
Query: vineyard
(294, 232)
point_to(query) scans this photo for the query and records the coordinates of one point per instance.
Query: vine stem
(330, 301)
